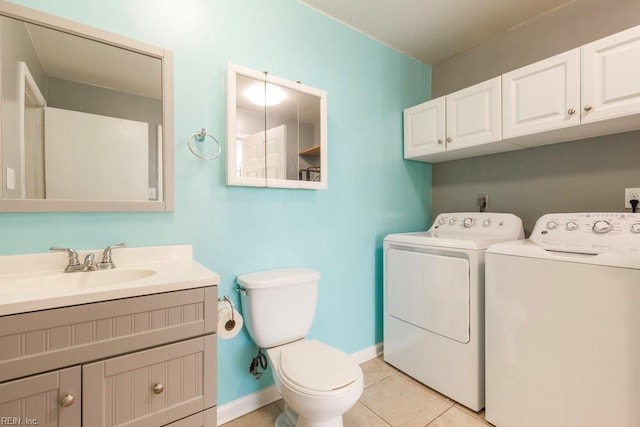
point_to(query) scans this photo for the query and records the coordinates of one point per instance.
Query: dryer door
(429, 291)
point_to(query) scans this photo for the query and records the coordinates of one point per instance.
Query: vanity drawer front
(151, 388)
(51, 339)
(37, 400)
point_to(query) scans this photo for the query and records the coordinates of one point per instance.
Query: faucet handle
(106, 254)
(73, 255)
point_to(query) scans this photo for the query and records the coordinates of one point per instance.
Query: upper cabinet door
(611, 76)
(424, 129)
(542, 96)
(474, 115)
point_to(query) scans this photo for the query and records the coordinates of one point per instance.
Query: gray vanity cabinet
(140, 361)
(48, 400)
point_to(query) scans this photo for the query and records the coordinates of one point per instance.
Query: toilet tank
(278, 305)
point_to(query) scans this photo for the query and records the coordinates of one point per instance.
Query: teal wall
(339, 231)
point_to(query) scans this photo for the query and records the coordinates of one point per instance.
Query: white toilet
(318, 383)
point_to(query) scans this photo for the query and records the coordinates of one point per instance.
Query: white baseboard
(245, 404)
(249, 403)
(367, 354)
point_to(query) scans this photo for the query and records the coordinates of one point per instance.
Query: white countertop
(173, 269)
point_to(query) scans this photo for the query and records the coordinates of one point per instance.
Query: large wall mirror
(276, 131)
(86, 117)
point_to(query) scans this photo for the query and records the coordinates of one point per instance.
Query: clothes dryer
(434, 301)
(562, 321)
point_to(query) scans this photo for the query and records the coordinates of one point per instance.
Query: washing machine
(563, 324)
(434, 301)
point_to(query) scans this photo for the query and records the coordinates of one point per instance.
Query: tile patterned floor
(390, 398)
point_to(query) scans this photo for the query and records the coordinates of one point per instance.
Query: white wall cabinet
(424, 129)
(142, 361)
(611, 76)
(586, 92)
(468, 119)
(542, 96)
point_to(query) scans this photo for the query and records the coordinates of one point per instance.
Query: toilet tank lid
(277, 277)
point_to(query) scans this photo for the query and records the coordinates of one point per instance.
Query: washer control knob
(552, 225)
(442, 221)
(601, 227)
(452, 221)
(571, 225)
(468, 222)
(635, 228)
(486, 223)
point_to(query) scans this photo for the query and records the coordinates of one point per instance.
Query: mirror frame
(233, 71)
(167, 203)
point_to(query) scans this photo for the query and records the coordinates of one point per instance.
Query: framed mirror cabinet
(276, 131)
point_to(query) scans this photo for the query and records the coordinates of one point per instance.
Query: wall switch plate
(631, 193)
(11, 178)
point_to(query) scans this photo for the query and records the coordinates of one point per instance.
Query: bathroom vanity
(135, 345)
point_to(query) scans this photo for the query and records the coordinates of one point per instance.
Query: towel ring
(200, 137)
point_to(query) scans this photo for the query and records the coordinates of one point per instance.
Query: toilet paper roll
(226, 327)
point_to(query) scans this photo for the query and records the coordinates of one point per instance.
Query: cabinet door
(611, 76)
(424, 129)
(542, 96)
(151, 388)
(47, 400)
(474, 115)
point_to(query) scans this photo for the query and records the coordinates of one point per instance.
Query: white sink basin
(69, 282)
(32, 282)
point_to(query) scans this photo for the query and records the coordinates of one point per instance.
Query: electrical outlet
(631, 193)
(482, 201)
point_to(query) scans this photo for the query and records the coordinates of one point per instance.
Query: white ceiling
(433, 30)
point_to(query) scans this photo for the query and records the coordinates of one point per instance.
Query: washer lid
(312, 365)
(277, 277)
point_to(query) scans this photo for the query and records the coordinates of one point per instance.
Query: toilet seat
(314, 368)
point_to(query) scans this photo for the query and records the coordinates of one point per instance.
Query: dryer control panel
(589, 232)
(479, 224)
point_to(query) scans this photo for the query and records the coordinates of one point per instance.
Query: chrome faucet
(74, 264)
(90, 263)
(107, 262)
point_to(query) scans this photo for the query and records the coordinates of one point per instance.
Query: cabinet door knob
(588, 107)
(449, 139)
(67, 400)
(158, 388)
(571, 111)
(440, 141)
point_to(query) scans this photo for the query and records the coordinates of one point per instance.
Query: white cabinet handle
(440, 141)
(158, 388)
(571, 111)
(588, 107)
(449, 139)
(67, 400)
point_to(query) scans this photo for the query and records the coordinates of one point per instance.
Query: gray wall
(586, 175)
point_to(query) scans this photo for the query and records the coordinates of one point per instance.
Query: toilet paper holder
(231, 323)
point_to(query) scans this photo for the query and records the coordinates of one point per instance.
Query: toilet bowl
(317, 382)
